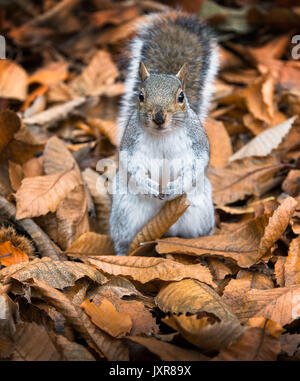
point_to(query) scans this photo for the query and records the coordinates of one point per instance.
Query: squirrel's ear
(182, 74)
(143, 72)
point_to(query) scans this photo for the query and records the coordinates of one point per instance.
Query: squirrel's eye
(181, 97)
(141, 97)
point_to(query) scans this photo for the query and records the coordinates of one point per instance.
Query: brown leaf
(44, 244)
(32, 343)
(72, 351)
(49, 75)
(54, 114)
(219, 141)
(10, 124)
(91, 244)
(97, 76)
(265, 142)
(259, 98)
(9, 313)
(291, 184)
(279, 304)
(72, 217)
(57, 158)
(57, 274)
(167, 351)
(107, 128)
(255, 345)
(245, 281)
(193, 296)
(277, 224)
(245, 245)
(244, 177)
(107, 318)
(161, 223)
(292, 264)
(13, 80)
(273, 328)
(206, 336)
(101, 199)
(10, 255)
(112, 348)
(42, 194)
(145, 269)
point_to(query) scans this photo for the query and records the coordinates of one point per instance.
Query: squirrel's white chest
(159, 153)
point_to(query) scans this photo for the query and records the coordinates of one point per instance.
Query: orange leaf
(10, 255)
(106, 317)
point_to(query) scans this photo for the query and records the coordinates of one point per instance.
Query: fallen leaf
(10, 255)
(273, 328)
(192, 296)
(160, 223)
(101, 199)
(13, 80)
(264, 143)
(107, 318)
(97, 76)
(206, 336)
(244, 177)
(145, 269)
(54, 114)
(219, 141)
(112, 348)
(91, 243)
(167, 351)
(279, 304)
(42, 194)
(57, 274)
(255, 345)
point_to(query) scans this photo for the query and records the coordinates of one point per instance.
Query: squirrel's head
(162, 100)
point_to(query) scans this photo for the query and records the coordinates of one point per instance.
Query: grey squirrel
(164, 150)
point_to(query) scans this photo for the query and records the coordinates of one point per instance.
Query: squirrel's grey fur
(164, 44)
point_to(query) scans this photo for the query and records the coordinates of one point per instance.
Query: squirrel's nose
(159, 118)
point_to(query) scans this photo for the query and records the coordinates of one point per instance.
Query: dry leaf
(42, 194)
(167, 351)
(97, 76)
(145, 269)
(264, 143)
(279, 304)
(10, 255)
(259, 98)
(219, 141)
(106, 317)
(54, 114)
(273, 328)
(255, 345)
(101, 199)
(91, 244)
(58, 274)
(53, 73)
(112, 348)
(161, 223)
(292, 264)
(13, 80)
(193, 296)
(244, 177)
(206, 336)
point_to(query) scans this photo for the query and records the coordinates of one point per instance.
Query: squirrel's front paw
(173, 188)
(151, 188)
